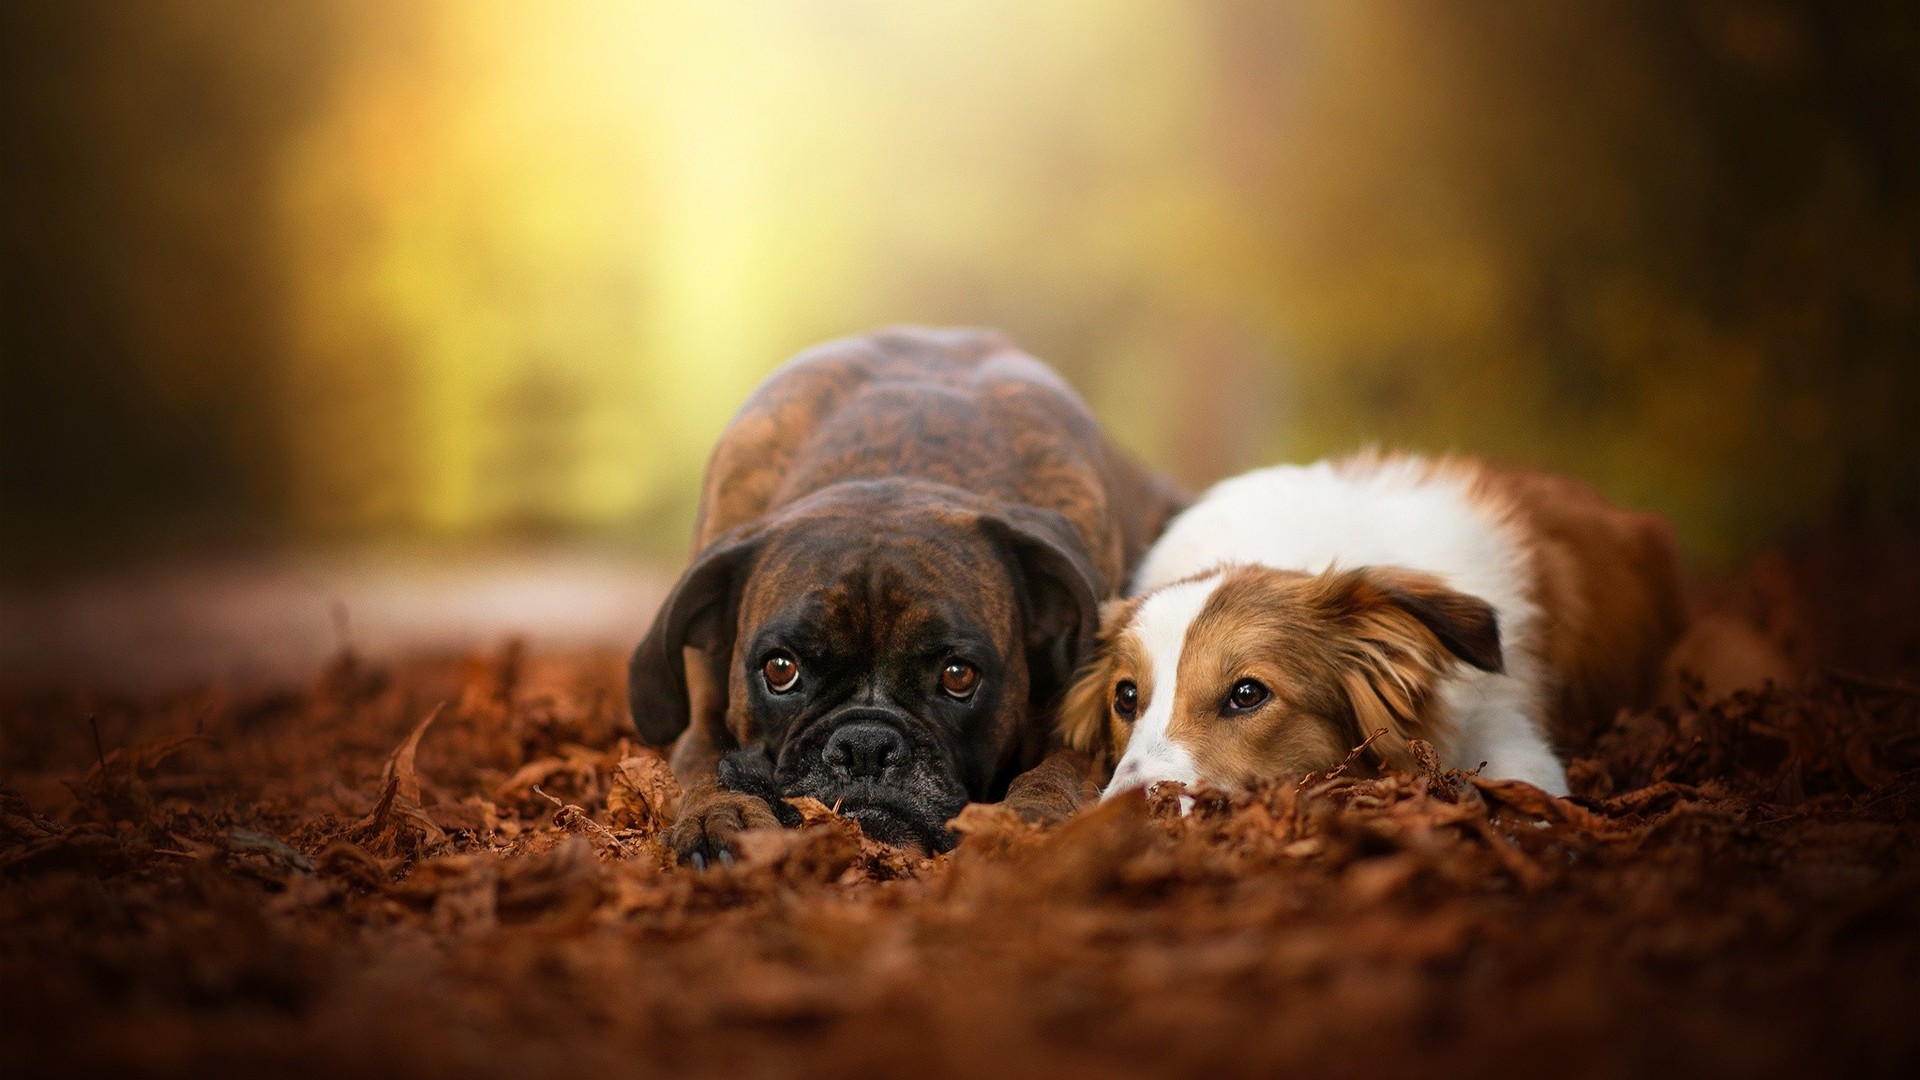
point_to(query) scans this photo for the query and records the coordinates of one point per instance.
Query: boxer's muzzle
(881, 767)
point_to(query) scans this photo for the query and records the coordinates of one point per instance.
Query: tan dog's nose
(865, 750)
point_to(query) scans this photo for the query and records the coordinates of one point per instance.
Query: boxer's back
(961, 407)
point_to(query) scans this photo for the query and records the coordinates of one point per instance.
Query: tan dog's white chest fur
(1295, 612)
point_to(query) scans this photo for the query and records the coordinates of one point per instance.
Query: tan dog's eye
(782, 672)
(959, 678)
(1246, 694)
(1126, 699)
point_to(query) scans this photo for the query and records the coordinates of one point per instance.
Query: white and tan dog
(1294, 612)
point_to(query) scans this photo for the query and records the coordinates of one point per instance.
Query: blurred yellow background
(333, 270)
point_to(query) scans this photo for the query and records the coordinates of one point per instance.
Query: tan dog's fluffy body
(1296, 612)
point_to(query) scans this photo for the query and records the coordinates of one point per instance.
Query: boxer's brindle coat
(902, 544)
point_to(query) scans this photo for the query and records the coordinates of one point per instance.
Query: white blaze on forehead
(1160, 623)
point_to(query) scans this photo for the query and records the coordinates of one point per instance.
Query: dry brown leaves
(357, 880)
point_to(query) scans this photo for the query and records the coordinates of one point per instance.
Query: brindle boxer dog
(902, 545)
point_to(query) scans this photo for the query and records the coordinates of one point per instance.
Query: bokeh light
(337, 269)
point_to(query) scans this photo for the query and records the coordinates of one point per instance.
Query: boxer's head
(885, 641)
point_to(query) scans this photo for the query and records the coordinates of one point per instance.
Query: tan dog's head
(1247, 672)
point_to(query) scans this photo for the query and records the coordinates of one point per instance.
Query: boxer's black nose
(865, 750)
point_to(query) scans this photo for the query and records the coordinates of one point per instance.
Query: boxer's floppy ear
(699, 613)
(1060, 592)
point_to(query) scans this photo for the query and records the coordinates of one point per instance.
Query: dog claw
(703, 836)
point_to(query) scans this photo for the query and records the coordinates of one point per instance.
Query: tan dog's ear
(1399, 632)
(1084, 720)
(699, 615)
(1465, 626)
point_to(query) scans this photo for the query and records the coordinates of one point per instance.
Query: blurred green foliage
(333, 269)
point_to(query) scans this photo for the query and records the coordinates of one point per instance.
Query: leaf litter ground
(454, 867)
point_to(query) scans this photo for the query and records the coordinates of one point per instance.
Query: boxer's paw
(709, 822)
(749, 771)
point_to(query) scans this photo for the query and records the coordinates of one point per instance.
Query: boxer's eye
(1126, 699)
(958, 678)
(1246, 694)
(782, 672)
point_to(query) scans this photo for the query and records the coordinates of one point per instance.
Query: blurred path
(274, 620)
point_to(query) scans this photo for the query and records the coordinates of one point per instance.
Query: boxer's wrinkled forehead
(853, 585)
